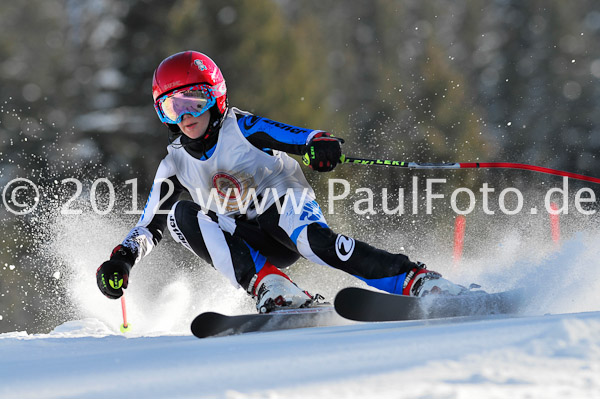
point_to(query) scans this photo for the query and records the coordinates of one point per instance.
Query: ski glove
(323, 152)
(113, 275)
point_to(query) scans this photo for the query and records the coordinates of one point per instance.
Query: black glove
(323, 152)
(113, 275)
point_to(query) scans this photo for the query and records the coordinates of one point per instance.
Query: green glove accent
(306, 159)
(115, 282)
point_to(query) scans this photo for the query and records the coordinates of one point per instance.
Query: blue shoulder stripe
(277, 131)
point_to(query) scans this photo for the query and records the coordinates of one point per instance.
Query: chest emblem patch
(233, 188)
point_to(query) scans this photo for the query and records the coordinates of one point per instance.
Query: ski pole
(125, 326)
(465, 165)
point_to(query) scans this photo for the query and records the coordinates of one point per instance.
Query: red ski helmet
(190, 68)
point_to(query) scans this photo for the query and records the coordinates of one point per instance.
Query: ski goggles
(193, 100)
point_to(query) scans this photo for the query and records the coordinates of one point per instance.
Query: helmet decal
(200, 65)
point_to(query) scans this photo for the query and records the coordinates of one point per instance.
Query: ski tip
(200, 323)
(347, 291)
(339, 297)
(345, 302)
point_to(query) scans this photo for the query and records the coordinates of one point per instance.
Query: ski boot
(420, 282)
(273, 290)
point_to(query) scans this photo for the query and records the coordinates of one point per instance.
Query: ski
(366, 305)
(212, 324)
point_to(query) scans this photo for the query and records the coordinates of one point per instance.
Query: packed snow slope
(552, 356)
(550, 350)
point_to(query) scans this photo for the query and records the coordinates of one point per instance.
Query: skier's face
(194, 126)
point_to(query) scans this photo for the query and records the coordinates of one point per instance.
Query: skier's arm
(321, 150)
(267, 134)
(112, 276)
(150, 228)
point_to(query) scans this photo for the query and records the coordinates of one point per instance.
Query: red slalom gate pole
(555, 224)
(459, 239)
(465, 165)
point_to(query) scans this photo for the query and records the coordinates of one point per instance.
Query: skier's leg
(271, 287)
(308, 232)
(232, 256)
(276, 253)
(376, 267)
(394, 273)
(201, 235)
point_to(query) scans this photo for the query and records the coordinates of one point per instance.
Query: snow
(496, 357)
(550, 350)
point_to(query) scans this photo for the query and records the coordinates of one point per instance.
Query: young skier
(236, 158)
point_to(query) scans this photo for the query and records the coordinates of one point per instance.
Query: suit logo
(250, 121)
(312, 212)
(344, 247)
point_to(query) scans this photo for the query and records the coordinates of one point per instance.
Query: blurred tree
(533, 65)
(268, 64)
